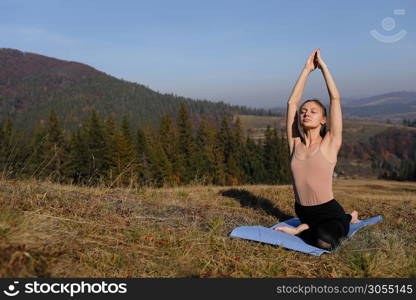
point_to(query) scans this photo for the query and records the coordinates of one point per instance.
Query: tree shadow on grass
(247, 199)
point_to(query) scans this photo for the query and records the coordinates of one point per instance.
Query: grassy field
(50, 230)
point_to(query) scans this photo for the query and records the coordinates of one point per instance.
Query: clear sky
(240, 52)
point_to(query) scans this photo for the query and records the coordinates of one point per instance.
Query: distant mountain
(394, 106)
(32, 84)
(399, 98)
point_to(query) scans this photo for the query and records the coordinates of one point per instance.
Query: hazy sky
(241, 52)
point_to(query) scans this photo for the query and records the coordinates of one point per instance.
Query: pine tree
(78, 163)
(268, 156)
(186, 147)
(7, 148)
(110, 128)
(97, 148)
(253, 162)
(122, 156)
(219, 175)
(283, 159)
(204, 152)
(124, 160)
(54, 149)
(238, 149)
(35, 161)
(168, 137)
(228, 145)
(159, 169)
(142, 166)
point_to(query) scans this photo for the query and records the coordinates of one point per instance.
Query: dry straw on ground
(50, 230)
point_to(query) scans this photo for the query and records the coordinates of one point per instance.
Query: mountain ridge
(32, 84)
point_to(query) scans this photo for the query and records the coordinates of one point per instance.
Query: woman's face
(311, 115)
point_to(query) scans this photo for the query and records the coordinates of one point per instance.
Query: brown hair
(324, 128)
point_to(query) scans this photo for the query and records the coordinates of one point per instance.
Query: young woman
(313, 151)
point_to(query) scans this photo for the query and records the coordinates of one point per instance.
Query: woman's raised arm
(330, 83)
(295, 97)
(335, 114)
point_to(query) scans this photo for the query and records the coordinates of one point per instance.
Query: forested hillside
(32, 84)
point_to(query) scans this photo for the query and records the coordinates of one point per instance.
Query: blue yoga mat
(278, 238)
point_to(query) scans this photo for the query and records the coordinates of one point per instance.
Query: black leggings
(328, 224)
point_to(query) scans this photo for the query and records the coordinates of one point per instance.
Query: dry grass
(49, 230)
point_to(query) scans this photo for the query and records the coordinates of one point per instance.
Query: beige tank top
(312, 178)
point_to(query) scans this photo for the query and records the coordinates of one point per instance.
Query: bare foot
(287, 229)
(354, 215)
